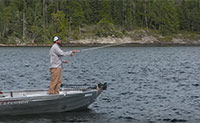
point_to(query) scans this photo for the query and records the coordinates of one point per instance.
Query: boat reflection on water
(86, 115)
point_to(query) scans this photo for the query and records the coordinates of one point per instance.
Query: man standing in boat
(56, 65)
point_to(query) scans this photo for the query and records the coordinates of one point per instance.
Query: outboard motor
(102, 86)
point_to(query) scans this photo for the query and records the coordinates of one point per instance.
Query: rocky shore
(144, 40)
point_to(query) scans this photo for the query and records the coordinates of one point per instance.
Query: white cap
(55, 39)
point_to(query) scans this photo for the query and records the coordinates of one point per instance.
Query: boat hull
(48, 103)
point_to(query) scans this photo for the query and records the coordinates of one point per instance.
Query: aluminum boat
(39, 101)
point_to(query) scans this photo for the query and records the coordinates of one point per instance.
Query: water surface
(145, 84)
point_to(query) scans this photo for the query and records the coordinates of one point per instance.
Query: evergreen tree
(60, 22)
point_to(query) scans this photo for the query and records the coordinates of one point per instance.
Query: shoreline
(145, 41)
(143, 38)
(132, 44)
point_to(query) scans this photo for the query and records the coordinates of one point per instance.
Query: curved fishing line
(90, 49)
(111, 45)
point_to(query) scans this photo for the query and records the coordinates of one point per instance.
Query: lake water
(145, 84)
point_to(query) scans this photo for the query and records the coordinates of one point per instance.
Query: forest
(37, 21)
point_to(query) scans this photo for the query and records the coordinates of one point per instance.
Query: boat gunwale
(44, 89)
(53, 96)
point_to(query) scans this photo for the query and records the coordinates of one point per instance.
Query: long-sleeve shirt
(55, 56)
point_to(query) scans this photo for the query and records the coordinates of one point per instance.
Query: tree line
(37, 21)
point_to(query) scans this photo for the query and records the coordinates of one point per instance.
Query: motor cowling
(102, 86)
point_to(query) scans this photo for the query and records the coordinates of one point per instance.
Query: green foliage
(60, 22)
(76, 35)
(189, 15)
(187, 35)
(75, 14)
(165, 38)
(37, 21)
(105, 28)
(161, 15)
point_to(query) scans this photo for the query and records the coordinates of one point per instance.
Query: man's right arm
(59, 52)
